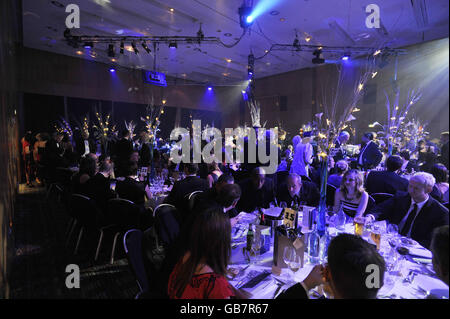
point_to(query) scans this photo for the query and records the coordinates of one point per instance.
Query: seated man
(439, 248)
(346, 274)
(340, 168)
(257, 191)
(369, 156)
(98, 187)
(387, 181)
(297, 192)
(212, 193)
(131, 189)
(416, 213)
(186, 186)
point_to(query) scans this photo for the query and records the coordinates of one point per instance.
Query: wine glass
(283, 204)
(258, 243)
(289, 255)
(392, 231)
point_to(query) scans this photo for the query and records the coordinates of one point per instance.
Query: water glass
(289, 256)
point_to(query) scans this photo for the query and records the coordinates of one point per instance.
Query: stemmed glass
(258, 243)
(292, 260)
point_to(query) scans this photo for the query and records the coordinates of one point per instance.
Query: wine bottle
(314, 245)
(324, 243)
(250, 237)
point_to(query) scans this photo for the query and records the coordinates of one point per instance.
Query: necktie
(409, 220)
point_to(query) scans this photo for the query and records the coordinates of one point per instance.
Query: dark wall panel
(42, 111)
(207, 117)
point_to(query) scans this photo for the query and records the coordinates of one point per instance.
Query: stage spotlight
(173, 45)
(88, 45)
(133, 45)
(112, 70)
(346, 57)
(210, 88)
(144, 45)
(122, 47)
(245, 17)
(111, 52)
(318, 59)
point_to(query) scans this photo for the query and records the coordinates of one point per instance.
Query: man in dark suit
(123, 151)
(369, 156)
(85, 145)
(98, 187)
(444, 148)
(416, 213)
(346, 273)
(53, 153)
(408, 165)
(257, 191)
(297, 192)
(387, 181)
(186, 186)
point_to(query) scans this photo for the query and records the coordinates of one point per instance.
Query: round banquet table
(405, 278)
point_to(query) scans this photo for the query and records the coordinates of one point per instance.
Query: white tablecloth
(395, 286)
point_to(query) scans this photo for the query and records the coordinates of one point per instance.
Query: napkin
(273, 211)
(432, 285)
(420, 252)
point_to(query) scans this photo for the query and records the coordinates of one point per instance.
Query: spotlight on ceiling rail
(318, 59)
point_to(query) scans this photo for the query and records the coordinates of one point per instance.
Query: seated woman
(440, 173)
(351, 195)
(200, 272)
(214, 173)
(88, 169)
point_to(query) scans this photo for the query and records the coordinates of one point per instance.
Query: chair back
(166, 223)
(370, 204)
(132, 243)
(190, 199)
(123, 213)
(305, 178)
(281, 178)
(381, 197)
(84, 210)
(331, 191)
(446, 205)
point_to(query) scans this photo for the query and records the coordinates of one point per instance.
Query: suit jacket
(98, 188)
(432, 215)
(182, 188)
(80, 147)
(145, 155)
(308, 193)
(294, 292)
(385, 182)
(445, 154)
(252, 198)
(371, 156)
(132, 190)
(53, 154)
(123, 149)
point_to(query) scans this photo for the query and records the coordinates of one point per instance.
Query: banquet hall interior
(212, 149)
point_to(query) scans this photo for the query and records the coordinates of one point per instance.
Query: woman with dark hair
(214, 173)
(88, 168)
(351, 196)
(200, 272)
(440, 173)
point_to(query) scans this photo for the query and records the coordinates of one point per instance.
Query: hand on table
(315, 277)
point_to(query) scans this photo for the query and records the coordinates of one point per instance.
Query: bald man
(296, 192)
(257, 191)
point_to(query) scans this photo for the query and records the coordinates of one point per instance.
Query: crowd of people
(197, 259)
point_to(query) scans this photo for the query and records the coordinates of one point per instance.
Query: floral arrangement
(152, 119)
(63, 127)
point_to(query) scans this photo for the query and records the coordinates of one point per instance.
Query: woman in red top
(200, 272)
(27, 156)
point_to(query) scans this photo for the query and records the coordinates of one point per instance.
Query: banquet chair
(167, 226)
(305, 178)
(331, 191)
(121, 215)
(132, 244)
(281, 178)
(370, 204)
(191, 199)
(86, 215)
(381, 197)
(446, 205)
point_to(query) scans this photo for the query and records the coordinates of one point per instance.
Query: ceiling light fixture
(122, 46)
(111, 52)
(146, 48)
(318, 59)
(245, 17)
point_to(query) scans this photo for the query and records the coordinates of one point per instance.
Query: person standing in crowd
(303, 156)
(340, 168)
(426, 156)
(444, 149)
(440, 250)
(387, 181)
(54, 152)
(370, 156)
(339, 143)
(27, 156)
(351, 196)
(123, 150)
(416, 213)
(346, 272)
(85, 145)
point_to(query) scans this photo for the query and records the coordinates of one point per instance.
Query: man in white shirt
(416, 213)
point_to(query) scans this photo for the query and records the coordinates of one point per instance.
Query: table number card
(290, 217)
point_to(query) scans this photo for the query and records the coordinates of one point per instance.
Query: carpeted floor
(38, 269)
